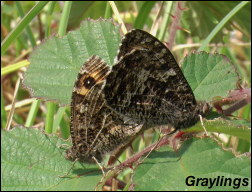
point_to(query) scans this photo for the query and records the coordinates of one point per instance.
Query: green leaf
(209, 75)
(33, 161)
(202, 158)
(56, 63)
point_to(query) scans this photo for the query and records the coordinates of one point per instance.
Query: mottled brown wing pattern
(147, 84)
(144, 88)
(95, 129)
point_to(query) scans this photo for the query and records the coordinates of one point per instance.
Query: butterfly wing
(147, 83)
(95, 129)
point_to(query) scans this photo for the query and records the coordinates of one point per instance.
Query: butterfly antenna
(201, 121)
(70, 168)
(101, 167)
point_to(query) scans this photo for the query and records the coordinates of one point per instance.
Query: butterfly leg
(101, 167)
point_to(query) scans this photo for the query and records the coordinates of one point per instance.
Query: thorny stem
(235, 107)
(239, 98)
(175, 23)
(128, 163)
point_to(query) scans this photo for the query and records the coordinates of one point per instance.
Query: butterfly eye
(89, 82)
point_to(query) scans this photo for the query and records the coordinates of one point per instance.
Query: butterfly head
(203, 108)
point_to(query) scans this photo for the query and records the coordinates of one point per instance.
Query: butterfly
(143, 89)
(147, 85)
(95, 128)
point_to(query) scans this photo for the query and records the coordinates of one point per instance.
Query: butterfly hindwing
(95, 129)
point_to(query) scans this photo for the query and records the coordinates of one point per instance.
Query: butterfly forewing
(147, 84)
(142, 40)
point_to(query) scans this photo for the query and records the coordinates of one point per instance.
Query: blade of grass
(65, 130)
(35, 105)
(51, 107)
(21, 25)
(3, 112)
(62, 30)
(108, 12)
(117, 14)
(10, 116)
(24, 23)
(11, 68)
(155, 23)
(49, 18)
(221, 24)
(32, 113)
(64, 18)
(58, 118)
(28, 29)
(143, 14)
(20, 104)
(167, 14)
